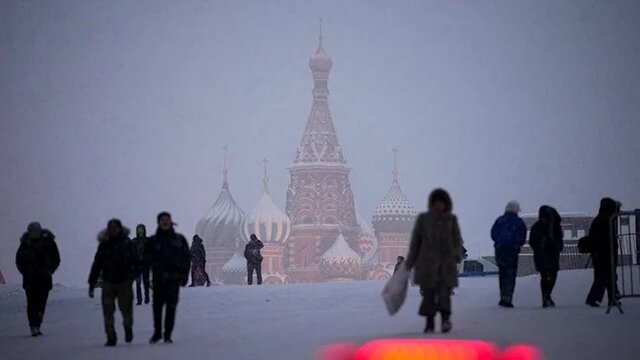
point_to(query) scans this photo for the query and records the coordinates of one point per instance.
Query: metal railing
(625, 262)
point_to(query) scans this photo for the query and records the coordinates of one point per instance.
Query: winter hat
(34, 226)
(512, 207)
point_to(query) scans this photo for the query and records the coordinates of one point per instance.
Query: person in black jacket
(600, 234)
(37, 259)
(169, 257)
(254, 259)
(399, 262)
(199, 275)
(139, 243)
(116, 261)
(546, 240)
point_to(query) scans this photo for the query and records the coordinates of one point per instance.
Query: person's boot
(128, 334)
(446, 324)
(146, 299)
(112, 340)
(155, 338)
(34, 331)
(38, 332)
(431, 325)
(551, 302)
(139, 302)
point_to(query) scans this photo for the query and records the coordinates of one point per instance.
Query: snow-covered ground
(294, 321)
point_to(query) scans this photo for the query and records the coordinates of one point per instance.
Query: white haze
(121, 108)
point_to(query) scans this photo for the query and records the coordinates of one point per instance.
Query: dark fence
(626, 273)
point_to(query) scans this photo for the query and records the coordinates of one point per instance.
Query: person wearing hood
(37, 259)
(600, 234)
(546, 241)
(254, 259)
(139, 243)
(169, 257)
(116, 261)
(435, 252)
(199, 275)
(509, 234)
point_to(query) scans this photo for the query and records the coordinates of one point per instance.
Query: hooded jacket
(546, 239)
(37, 260)
(116, 259)
(601, 231)
(198, 253)
(509, 232)
(436, 245)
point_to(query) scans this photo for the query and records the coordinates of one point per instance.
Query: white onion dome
(320, 61)
(220, 226)
(266, 220)
(237, 263)
(340, 260)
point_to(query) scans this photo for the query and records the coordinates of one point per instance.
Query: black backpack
(585, 245)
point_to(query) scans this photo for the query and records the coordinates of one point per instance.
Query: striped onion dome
(266, 220)
(219, 227)
(340, 260)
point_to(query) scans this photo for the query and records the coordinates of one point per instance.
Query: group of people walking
(436, 250)
(160, 263)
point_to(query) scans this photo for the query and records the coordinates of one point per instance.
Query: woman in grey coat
(434, 253)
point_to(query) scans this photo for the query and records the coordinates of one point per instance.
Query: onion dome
(266, 220)
(220, 226)
(234, 271)
(237, 263)
(320, 61)
(395, 207)
(340, 261)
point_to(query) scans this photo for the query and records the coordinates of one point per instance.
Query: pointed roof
(319, 145)
(395, 206)
(220, 226)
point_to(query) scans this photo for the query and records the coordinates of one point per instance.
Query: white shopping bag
(395, 291)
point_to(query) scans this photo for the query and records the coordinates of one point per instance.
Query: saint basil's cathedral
(319, 236)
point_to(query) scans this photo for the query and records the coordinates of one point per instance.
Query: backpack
(585, 245)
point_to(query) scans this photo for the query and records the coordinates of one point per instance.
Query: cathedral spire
(319, 145)
(395, 164)
(265, 180)
(225, 171)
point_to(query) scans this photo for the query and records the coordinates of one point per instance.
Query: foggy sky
(121, 108)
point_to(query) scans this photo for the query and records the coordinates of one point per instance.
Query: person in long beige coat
(434, 253)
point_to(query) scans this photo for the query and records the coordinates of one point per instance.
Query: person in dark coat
(199, 275)
(116, 262)
(600, 237)
(399, 262)
(37, 260)
(435, 252)
(254, 259)
(169, 258)
(142, 280)
(546, 240)
(509, 233)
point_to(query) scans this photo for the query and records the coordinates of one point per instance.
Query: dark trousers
(36, 304)
(122, 294)
(142, 280)
(436, 300)
(547, 282)
(250, 268)
(165, 296)
(602, 280)
(507, 261)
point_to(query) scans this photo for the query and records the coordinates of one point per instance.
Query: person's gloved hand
(91, 293)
